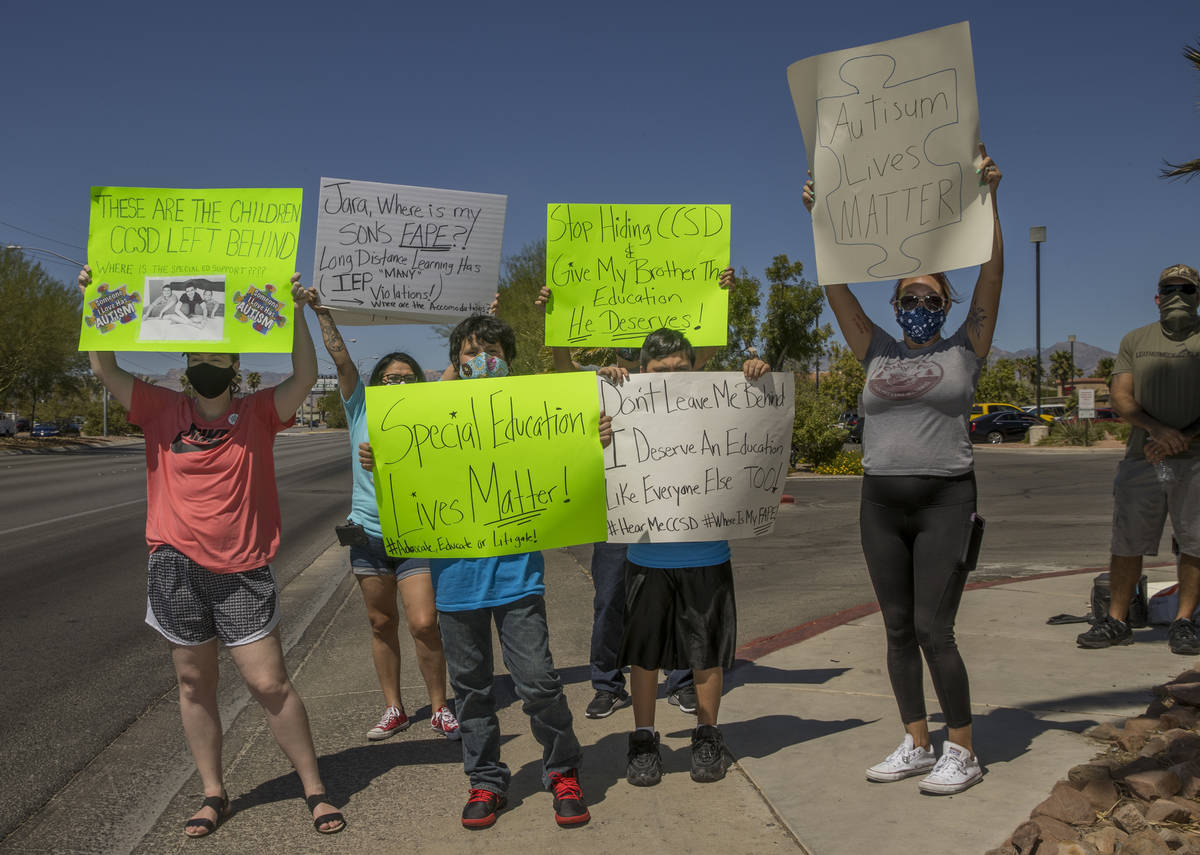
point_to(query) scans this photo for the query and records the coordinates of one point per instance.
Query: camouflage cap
(1180, 271)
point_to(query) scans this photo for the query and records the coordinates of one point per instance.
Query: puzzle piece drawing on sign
(888, 188)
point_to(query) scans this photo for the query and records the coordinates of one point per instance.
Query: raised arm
(290, 394)
(347, 371)
(985, 301)
(116, 379)
(856, 327)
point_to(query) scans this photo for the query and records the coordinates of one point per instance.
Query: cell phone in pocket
(970, 556)
(352, 534)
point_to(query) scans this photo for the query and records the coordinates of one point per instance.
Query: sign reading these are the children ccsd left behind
(892, 132)
(485, 467)
(696, 455)
(192, 270)
(617, 273)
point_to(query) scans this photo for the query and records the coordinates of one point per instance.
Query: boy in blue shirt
(470, 594)
(679, 611)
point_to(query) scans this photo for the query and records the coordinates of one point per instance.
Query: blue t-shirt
(463, 584)
(687, 554)
(364, 510)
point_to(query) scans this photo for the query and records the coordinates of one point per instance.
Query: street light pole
(1037, 236)
(1074, 370)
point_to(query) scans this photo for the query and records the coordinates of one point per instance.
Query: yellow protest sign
(484, 467)
(191, 270)
(619, 272)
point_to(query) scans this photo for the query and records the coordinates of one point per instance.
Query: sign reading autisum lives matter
(192, 270)
(696, 455)
(472, 468)
(388, 253)
(619, 272)
(892, 132)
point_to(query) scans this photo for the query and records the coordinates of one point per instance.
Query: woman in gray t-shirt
(918, 494)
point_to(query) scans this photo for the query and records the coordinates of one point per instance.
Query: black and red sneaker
(481, 808)
(569, 808)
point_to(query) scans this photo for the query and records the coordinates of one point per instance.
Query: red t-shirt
(210, 486)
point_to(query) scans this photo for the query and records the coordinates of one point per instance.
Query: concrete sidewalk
(803, 722)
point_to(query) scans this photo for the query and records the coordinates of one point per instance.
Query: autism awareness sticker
(259, 309)
(112, 307)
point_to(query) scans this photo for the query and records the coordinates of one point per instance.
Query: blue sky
(631, 102)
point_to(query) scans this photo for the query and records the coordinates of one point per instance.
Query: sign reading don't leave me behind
(617, 273)
(483, 467)
(696, 455)
(892, 132)
(389, 253)
(191, 270)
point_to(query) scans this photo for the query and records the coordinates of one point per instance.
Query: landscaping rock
(1106, 840)
(1053, 831)
(1003, 850)
(1078, 848)
(1145, 843)
(1102, 795)
(1182, 745)
(1142, 724)
(1185, 693)
(1025, 838)
(1132, 740)
(1105, 731)
(1154, 745)
(1081, 774)
(1154, 784)
(1166, 810)
(1138, 764)
(1128, 818)
(1068, 805)
(1189, 778)
(1180, 716)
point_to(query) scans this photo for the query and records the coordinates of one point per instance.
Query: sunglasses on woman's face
(1177, 288)
(932, 302)
(396, 379)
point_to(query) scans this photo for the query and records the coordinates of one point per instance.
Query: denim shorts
(190, 605)
(373, 560)
(1141, 503)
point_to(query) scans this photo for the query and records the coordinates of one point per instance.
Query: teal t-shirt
(688, 554)
(364, 510)
(465, 584)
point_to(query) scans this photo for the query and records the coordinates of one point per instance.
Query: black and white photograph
(184, 308)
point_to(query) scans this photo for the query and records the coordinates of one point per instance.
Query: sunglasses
(397, 379)
(932, 302)
(1177, 288)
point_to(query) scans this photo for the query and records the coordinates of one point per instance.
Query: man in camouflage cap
(1155, 386)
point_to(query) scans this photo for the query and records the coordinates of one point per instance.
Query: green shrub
(845, 463)
(1118, 430)
(118, 424)
(816, 438)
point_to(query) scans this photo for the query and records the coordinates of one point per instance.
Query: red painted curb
(757, 647)
(785, 499)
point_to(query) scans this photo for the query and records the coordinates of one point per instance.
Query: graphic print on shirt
(198, 439)
(899, 379)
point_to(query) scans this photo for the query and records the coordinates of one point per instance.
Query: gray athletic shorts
(1141, 503)
(189, 605)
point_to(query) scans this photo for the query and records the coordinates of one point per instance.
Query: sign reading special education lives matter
(619, 272)
(472, 468)
(892, 132)
(191, 270)
(696, 455)
(387, 253)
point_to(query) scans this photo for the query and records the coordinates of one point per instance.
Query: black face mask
(209, 381)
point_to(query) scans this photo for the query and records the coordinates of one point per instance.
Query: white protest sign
(892, 132)
(388, 253)
(696, 455)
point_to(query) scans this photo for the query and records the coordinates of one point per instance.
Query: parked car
(22, 423)
(1103, 414)
(70, 427)
(984, 408)
(45, 429)
(1053, 411)
(8, 427)
(856, 430)
(1002, 426)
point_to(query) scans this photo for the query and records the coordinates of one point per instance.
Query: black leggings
(914, 529)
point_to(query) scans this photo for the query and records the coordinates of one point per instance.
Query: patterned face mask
(483, 365)
(920, 324)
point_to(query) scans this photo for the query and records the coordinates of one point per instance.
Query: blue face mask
(920, 324)
(483, 365)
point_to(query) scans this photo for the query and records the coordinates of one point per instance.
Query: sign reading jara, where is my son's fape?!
(389, 253)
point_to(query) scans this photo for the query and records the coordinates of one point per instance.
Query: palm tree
(1104, 367)
(1062, 367)
(1191, 167)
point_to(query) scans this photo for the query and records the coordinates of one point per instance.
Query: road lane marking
(72, 516)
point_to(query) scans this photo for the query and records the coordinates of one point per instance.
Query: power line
(44, 237)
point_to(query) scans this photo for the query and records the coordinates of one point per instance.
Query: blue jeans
(608, 617)
(525, 646)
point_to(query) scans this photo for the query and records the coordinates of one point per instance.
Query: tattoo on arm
(975, 320)
(863, 325)
(330, 335)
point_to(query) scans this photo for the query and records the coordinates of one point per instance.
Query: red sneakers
(569, 807)
(393, 721)
(480, 810)
(445, 723)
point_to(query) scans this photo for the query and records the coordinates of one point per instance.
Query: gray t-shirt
(917, 406)
(1166, 380)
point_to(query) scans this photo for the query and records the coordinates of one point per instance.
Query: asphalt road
(79, 663)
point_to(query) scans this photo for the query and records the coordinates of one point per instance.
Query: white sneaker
(907, 760)
(956, 770)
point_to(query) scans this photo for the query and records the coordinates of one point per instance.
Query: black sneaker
(1182, 637)
(605, 703)
(1106, 632)
(481, 808)
(684, 698)
(708, 754)
(645, 763)
(569, 807)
